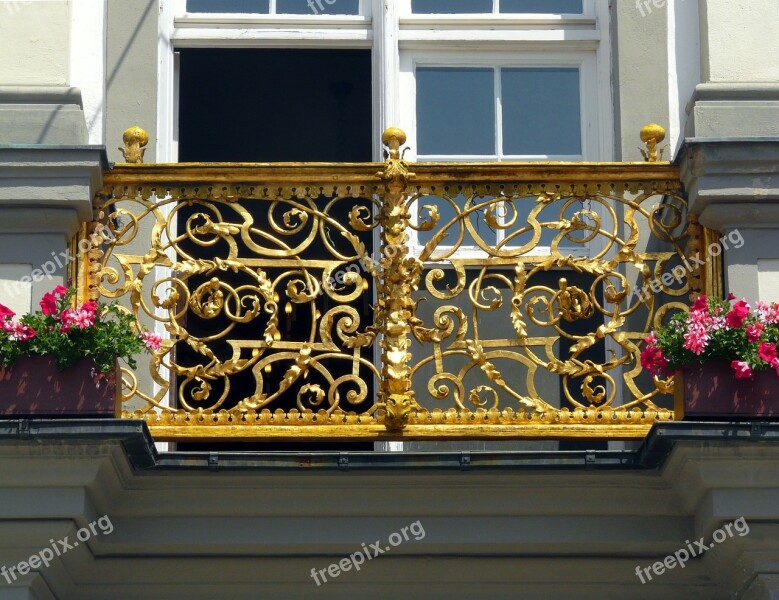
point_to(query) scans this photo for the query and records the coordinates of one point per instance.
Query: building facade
(385, 178)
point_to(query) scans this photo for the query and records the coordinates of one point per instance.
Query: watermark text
(368, 552)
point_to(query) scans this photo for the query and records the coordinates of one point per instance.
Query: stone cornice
(49, 186)
(257, 522)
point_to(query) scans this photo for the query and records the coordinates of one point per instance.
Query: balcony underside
(243, 525)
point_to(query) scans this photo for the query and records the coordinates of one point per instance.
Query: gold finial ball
(135, 135)
(653, 131)
(391, 133)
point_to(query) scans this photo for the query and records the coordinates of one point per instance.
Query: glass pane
(318, 7)
(456, 111)
(541, 111)
(228, 6)
(541, 6)
(450, 7)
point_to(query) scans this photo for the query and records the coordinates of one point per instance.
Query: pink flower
(767, 352)
(6, 313)
(697, 336)
(49, 304)
(22, 332)
(731, 296)
(737, 314)
(152, 340)
(767, 312)
(702, 303)
(85, 318)
(742, 369)
(754, 332)
(80, 319)
(90, 307)
(763, 309)
(775, 365)
(696, 340)
(717, 320)
(652, 357)
(60, 291)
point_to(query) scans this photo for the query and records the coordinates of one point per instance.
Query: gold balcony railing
(500, 301)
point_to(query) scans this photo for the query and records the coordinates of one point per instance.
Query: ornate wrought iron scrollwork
(494, 284)
(252, 283)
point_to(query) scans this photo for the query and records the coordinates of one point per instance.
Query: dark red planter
(711, 390)
(34, 387)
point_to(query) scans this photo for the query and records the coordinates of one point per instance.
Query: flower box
(724, 359)
(34, 387)
(709, 390)
(89, 339)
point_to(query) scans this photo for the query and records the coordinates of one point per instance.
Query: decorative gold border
(436, 425)
(379, 433)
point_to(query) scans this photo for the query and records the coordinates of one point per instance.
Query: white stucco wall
(742, 38)
(34, 42)
(87, 64)
(768, 278)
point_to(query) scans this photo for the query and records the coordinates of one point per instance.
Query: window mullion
(498, 112)
(499, 133)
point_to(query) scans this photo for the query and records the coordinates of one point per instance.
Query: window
(499, 112)
(521, 79)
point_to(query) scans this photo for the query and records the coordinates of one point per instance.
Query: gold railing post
(135, 140)
(652, 135)
(398, 277)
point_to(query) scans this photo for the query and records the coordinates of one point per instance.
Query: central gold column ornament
(652, 135)
(398, 279)
(135, 141)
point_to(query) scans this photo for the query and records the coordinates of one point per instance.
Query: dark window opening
(275, 105)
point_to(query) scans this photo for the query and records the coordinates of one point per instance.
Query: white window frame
(472, 38)
(588, 97)
(397, 32)
(401, 41)
(179, 29)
